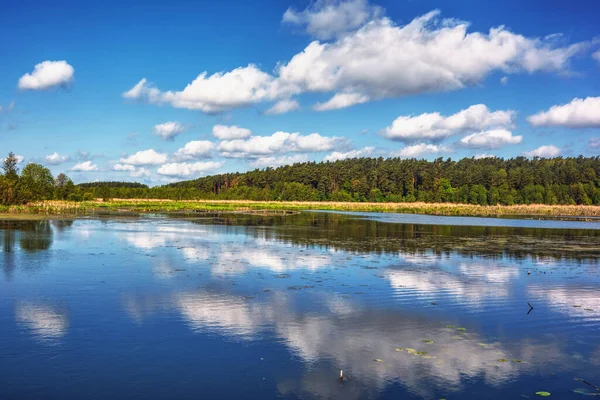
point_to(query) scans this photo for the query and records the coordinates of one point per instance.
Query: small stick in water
(530, 308)
(341, 375)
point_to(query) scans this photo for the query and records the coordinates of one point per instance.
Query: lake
(242, 306)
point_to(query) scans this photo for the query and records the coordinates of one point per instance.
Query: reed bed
(162, 205)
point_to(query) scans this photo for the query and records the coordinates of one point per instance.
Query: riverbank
(57, 208)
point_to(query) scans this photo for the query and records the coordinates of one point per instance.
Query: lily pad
(428, 341)
(543, 394)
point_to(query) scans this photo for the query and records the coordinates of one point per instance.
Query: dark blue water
(233, 306)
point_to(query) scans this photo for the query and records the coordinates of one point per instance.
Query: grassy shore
(156, 205)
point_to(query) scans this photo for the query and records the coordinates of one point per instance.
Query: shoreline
(129, 206)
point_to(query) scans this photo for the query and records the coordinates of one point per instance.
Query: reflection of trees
(8, 253)
(36, 236)
(62, 225)
(32, 236)
(352, 234)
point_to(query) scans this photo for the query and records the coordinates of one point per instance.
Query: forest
(486, 181)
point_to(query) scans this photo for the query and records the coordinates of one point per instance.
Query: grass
(159, 205)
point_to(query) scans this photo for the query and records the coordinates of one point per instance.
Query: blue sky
(421, 79)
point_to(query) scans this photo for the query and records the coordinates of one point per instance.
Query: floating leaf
(428, 341)
(543, 394)
(516, 360)
(461, 329)
(421, 353)
(502, 360)
(377, 360)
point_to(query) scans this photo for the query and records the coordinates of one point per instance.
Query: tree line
(487, 181)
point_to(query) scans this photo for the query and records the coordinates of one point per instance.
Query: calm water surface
(257, 307)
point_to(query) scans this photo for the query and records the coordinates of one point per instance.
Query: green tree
(37, 181)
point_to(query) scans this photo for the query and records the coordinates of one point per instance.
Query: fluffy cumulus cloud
(123, 167)
(194, 149)
(279, 142)
(145, 157)
(336, 155)
(504, 80)
(434, 126)
(188, 169)
(579, 113)
(594, 143)
(420, 150)
(283, 106)
(341, 100)
(214, 93)
(56, 159)
(85, 166)
(140, 172)
(491, 139)
(543, 151)
(326, 19)
(375, 58)
(484, 155)
(224, 132)
(46, 75)
(263, 162)
(169, 130)
(596, 56)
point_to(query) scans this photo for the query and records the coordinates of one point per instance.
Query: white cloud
(85, 166)
(279, 142)
(326, 19)
(123, 167)
(218, 92)
(434, 126)
(594, 143)
(56, 159)
(504, 80)
(263, 162)
(195, 149)
(383, 60)
(133, 171)
(47, 74)
(579, 113)
(145, 157)
(596, 56)
(378, 60)
(419, 150)
(283, 106)
(187, 169)
(543, 151)
(484, 155)
(141, 173)
(169, 130)
(224, 132)
(492, 139)
(341, 100)
(336, 155)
